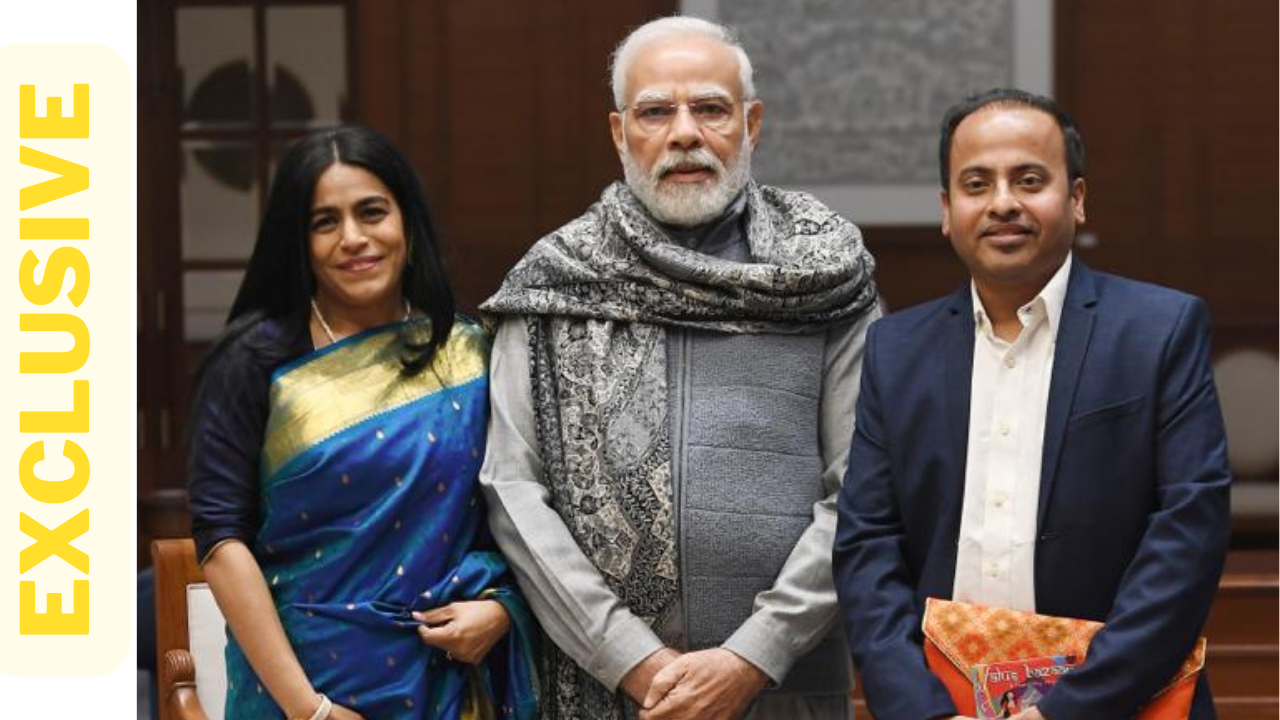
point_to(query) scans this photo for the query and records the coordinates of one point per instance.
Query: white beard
(689, 204)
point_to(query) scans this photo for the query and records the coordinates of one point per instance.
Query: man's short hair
(1006, 97)
(670, 27)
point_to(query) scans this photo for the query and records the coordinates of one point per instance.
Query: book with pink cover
(1003, 689)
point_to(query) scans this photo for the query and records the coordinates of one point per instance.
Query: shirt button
(993, 570)
(1005, 429)
(1010, 362)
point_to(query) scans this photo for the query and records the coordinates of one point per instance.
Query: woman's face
(357, 240)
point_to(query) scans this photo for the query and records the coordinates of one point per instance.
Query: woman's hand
(464, 630)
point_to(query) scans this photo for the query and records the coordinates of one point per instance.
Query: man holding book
(1047, 438)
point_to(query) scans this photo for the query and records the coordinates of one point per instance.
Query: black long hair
(278, 282)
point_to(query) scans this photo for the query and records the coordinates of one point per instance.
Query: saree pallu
(370, 511)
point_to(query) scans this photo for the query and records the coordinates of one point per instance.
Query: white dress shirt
(995, 560)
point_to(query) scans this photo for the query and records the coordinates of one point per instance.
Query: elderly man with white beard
(672, 392)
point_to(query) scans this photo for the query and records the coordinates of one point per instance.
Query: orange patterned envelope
(958, 636)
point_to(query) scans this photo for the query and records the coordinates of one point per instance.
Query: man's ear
(1077, 200)
(946, 212)
(755, 118)
(615, 128)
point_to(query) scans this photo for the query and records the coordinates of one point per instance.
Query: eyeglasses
(709, 113)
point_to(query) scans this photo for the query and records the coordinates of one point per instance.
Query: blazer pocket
(1106, 412)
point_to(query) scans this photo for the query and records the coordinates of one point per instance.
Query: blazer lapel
(956, 338)
(1074, 331)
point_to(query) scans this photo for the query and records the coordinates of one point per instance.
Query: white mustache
(685, 160)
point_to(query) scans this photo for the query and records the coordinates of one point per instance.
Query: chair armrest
(178, 686)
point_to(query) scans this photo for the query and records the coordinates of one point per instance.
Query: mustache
(686, 160)
(1002, 228)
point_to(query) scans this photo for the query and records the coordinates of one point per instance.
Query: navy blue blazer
(1132, 522)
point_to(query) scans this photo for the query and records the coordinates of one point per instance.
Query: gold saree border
(354, 382)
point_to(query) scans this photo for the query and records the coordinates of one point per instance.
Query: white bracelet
(324, 709)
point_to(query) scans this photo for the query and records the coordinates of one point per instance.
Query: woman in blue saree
(337, 434)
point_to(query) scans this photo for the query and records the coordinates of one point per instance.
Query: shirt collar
(1051, 298)
(1055, 293)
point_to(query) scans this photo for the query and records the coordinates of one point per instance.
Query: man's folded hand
(712, 684)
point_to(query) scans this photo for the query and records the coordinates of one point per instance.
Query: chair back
(190, 636)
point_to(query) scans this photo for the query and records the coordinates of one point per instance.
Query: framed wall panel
(854, 89)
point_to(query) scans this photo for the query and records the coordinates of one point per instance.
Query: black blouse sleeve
(229, 417)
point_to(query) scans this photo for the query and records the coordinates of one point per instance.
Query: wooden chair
(190, 636)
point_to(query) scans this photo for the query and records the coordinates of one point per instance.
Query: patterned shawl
(597, 295)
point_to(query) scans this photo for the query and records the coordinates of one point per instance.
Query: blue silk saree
(370, 511)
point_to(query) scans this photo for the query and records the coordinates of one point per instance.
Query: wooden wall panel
(913, 264)
(488, 170)
(1240, 173)
(379, 54)
(1178, 106)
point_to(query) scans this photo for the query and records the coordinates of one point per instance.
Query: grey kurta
(571, 598)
